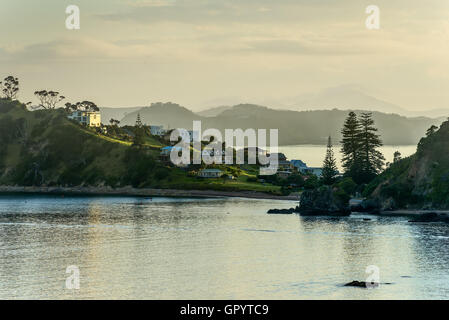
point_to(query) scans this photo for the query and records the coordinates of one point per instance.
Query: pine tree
(371, 159)
(138, 132)
(330, 170)
(138, 121)
(351, 145)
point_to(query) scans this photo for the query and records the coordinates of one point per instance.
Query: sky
(201, 53)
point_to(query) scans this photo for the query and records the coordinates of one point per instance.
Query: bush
(347, 185)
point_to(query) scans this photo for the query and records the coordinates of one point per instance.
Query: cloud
(226, 11)
(298, 47)
(150, 3)
(65, 49)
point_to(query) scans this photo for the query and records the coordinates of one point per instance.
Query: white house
(210, 173)
(313, 170)
(157, 130)
(166, 151)
(87, 118)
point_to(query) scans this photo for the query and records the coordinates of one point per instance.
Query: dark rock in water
(283, 211)
(323, 201)
(431, 217)
(356, 283)
(362, 284)
(366, 219)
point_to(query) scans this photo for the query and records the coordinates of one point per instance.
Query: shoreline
(411, 212)
(141, 192)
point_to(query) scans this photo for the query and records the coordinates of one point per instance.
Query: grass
(67, 153)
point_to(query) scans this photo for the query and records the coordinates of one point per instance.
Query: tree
(114, 126)
(330, 170)
(87, 106)
(351, 145)
(48, 99)
(431, 130)
(396, 156)
(114, 122)
(138, 121)
(224, 177)
(10, 87)
(138, 132)
(371, 159)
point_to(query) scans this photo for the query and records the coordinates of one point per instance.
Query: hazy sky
(201, 52)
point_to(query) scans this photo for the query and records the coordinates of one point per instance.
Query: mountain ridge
(295, 127)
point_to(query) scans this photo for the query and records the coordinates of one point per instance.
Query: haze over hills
(295, 127)
(213, 112)
(344, 97)
(169, 115)
(115, 113)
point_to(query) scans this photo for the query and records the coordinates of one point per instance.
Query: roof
(171, 147)
(280, 156)
(211, 170)
(298, 163)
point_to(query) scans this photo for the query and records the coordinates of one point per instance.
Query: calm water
(314, 155)
(217, 249)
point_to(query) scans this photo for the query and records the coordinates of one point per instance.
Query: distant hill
(419, 181)
(115, 113)
(431, 113)
(295, 127)
(213, 112)
(170, 115)
(344, 97)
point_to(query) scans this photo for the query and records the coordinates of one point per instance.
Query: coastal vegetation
(42, 147)
(419, 181)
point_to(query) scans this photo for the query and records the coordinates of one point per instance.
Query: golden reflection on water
(210, 249)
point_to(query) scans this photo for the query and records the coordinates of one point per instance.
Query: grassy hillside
(44, 148)
(419, 181)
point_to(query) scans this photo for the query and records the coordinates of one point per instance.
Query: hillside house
(312, 170)
(298, 165)
(157, 130)
(285, 165)
(166, 151)
(87, 118)
(210, 173)
(283, 174)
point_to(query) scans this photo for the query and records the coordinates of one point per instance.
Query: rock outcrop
(284, 211)
(418, 182)
(326, 201)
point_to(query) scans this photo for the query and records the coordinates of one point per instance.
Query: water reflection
(217, 249)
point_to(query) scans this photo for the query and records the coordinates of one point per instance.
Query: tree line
(48, 99)
(362, 161)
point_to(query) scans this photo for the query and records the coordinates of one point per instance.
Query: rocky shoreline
(144, 192)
